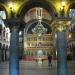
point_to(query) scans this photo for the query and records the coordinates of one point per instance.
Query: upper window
(2, 25)
(72, 11)
(2, 16)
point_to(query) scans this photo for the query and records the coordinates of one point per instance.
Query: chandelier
(39, 28)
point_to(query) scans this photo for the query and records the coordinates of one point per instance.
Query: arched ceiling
(31, 14)
(38, 3)
(25, 5)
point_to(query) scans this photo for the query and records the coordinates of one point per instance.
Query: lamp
(62, 11)
(63, 3)
(70, 35)
(39, 28)
(11, 6)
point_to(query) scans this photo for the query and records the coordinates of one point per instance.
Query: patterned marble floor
(33, 68)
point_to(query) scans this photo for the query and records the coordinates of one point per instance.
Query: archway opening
(38, 34)
(71, 36)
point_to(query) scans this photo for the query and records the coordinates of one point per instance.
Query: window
(72, 13)
(2, 16)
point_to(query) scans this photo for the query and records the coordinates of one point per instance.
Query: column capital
(14, 22)
(60, 24)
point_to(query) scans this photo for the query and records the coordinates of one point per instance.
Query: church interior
(30, 30)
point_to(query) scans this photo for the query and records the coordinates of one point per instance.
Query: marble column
(73, 52)
(5, 54)
(21, 42)
(61, 54)
(14, 52)
(2, 55)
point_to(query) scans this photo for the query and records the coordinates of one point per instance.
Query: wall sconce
(11, 6)
(62, 9)
(70, 35)
(63, 3)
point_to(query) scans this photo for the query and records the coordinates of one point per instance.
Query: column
(14, 52)
(2, 55)
(0, 51)
(61, 54)
(73, 52)
(5, 54)
(21, 42)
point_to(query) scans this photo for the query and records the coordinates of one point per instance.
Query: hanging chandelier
(39, 28)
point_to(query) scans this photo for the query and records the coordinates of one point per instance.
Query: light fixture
(62, 9)
(63, 3)
(70, 35)
(12, 10)
(55, 35)
(39, 28)
(20, 33)
(11, 5)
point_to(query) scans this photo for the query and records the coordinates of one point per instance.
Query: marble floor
(33, 68)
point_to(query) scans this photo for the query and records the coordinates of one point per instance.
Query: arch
(37, 3)
(32, 22)
(31, 14)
